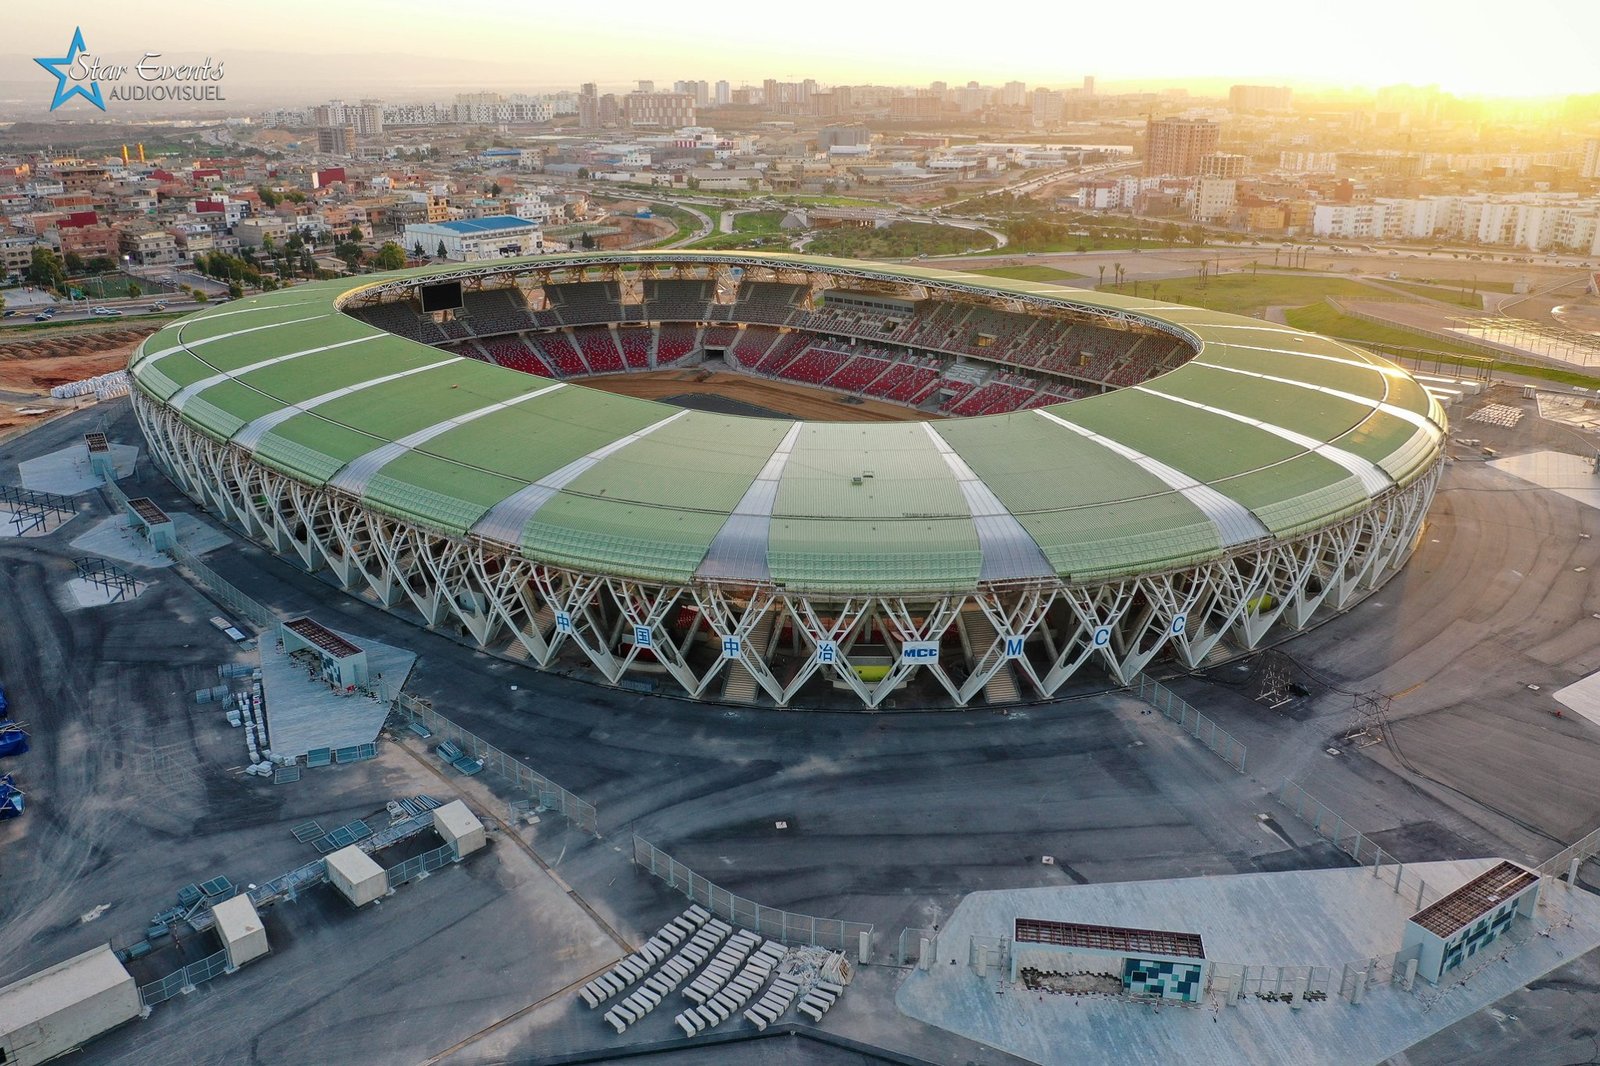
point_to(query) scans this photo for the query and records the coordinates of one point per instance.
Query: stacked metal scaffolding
(116, 582)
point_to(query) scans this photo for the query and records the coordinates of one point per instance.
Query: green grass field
(1451, 293)
(685, 222)
(1320, 318)
(1029, 273)
(754, 229)
(1248, 294)
(1110, 243)
(898, 241)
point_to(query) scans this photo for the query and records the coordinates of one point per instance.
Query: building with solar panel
(1089, 483)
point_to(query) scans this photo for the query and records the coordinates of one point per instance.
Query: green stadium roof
(1268, 432)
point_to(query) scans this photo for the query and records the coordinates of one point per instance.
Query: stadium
(1056, 484)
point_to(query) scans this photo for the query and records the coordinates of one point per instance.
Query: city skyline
(364, 47)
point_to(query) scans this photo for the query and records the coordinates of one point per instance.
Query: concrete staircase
(740, 686)
(1002, 687)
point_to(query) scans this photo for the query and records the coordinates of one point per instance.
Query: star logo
(58, 69)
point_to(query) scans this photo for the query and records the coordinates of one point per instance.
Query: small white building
(357, 876)
(459, 827)
(239, 926)
(53, 1011)
(1149, 963)
(1451, 930)
(344, 665)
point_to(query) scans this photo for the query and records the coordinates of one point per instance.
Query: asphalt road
(891, 817)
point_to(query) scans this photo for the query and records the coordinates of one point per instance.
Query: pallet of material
(631, 969)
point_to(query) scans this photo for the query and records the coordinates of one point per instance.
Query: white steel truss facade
(868, 645)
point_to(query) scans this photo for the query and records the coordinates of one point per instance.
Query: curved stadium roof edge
(1266, 434)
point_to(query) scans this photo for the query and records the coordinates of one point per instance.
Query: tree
(101, 264)
(200, 297)
(494, 190)
(46, 270)
(74, 263)
(134, 292)
(355, 233)
(1170, 232)
(390, 257)
(235, 290)
(1196, 235)
(417, 250)
(440, 254)
(588, 241)
(268, 197)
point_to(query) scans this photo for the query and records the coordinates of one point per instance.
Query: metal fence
(786, 926)
(518, 774)
(162, 990)
(421, 865)
(196, 973)
(1342, 835)
(1453, 339)
(1236, 980)
(1580, 851)
(223, 591)
(1203, 729)
(909, 948)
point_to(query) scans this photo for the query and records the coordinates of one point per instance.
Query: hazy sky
(1528, 48)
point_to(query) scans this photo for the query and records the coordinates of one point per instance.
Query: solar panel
(284, 774)
(307, 831)
(217, 886)
(319, 757)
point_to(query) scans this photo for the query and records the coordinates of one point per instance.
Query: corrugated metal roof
(740, 547)
(1009, 553)
(506, 520)
(1235, 524)
(1296, 427)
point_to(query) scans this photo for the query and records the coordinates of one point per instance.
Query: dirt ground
(35, 362)
(797, 401)
(12, 423)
